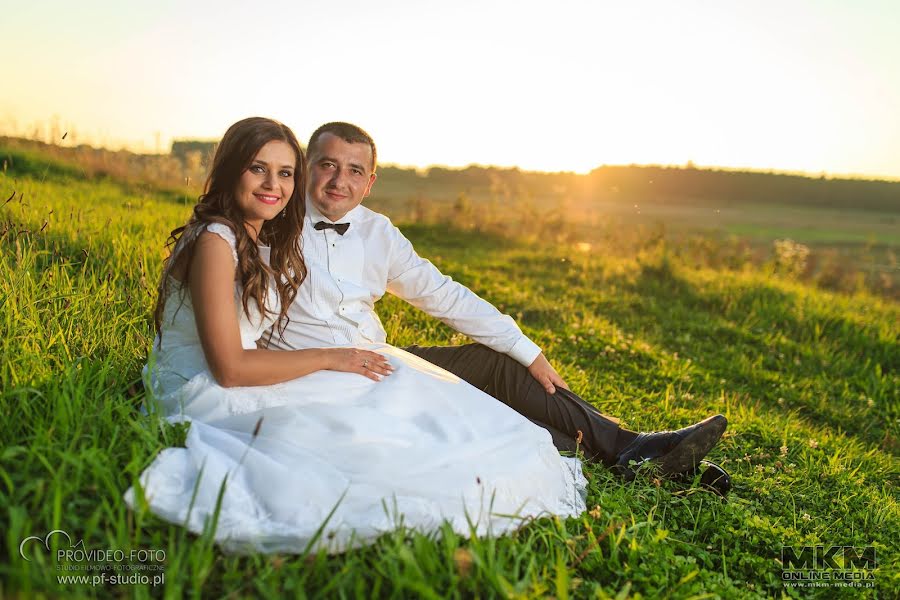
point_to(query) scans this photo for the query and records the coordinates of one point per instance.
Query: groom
(355, 255)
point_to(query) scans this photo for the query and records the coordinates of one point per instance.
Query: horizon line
(688, 165)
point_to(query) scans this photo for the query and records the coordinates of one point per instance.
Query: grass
(807, 378)
(850, 249)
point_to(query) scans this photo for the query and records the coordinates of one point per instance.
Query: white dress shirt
(348, 273)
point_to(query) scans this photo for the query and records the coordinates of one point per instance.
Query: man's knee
(473, 362)
(500, 360)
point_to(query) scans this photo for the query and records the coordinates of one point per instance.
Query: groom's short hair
(346, 131)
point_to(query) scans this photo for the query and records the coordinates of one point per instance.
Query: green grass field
(807, 378)
(851, 246)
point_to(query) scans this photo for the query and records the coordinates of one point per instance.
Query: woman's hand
(352, 360)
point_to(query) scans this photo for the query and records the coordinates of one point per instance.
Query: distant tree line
(679, 185)
(745, 187)
(188, 161)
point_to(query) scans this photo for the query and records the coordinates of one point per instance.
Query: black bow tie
(341, 228)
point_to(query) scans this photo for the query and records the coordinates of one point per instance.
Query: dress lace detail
(225, 232)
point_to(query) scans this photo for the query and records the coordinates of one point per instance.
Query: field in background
(850, 247)
(657, 331)
(845, 233)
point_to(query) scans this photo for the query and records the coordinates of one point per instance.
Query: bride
(314, 448)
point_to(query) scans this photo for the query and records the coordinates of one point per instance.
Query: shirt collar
(314, 216)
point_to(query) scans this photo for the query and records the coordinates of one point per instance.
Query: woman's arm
(211, 283)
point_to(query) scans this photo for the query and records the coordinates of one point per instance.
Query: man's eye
(357, 172)
(328, 165)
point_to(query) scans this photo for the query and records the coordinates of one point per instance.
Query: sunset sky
(790, 85)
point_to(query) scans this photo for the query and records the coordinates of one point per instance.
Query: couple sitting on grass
(316, 432)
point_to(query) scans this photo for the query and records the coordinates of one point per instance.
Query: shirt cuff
(524, 351)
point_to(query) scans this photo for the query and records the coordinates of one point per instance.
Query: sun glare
(768, 86)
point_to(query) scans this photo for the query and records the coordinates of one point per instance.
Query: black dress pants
(563, 414)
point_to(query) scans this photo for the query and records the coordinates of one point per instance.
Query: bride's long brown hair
(217, 204)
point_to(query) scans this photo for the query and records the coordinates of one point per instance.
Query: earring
(283, 212)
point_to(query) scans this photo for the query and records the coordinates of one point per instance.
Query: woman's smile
(268, 199)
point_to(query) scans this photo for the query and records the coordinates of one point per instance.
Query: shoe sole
(688, 453)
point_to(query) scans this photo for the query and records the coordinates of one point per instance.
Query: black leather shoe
(713, 477)
(674, 451)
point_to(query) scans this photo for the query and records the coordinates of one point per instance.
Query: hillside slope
(808, 380)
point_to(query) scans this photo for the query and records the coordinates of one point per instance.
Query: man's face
(340, 175)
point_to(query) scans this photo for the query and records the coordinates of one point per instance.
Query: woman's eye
(257, 169)
(287, 174)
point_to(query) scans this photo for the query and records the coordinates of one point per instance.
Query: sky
(810, 86)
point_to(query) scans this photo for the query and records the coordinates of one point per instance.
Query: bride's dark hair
(217, 204)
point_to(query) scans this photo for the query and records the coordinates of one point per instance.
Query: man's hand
(546, 375)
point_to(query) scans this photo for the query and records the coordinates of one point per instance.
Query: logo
(832, 566)
(78, 565)
(46, 542)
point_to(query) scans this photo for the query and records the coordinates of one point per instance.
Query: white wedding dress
(335, 459)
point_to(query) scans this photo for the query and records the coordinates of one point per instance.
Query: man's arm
(420, 283)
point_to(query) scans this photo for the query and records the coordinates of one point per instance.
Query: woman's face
(267, 185)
